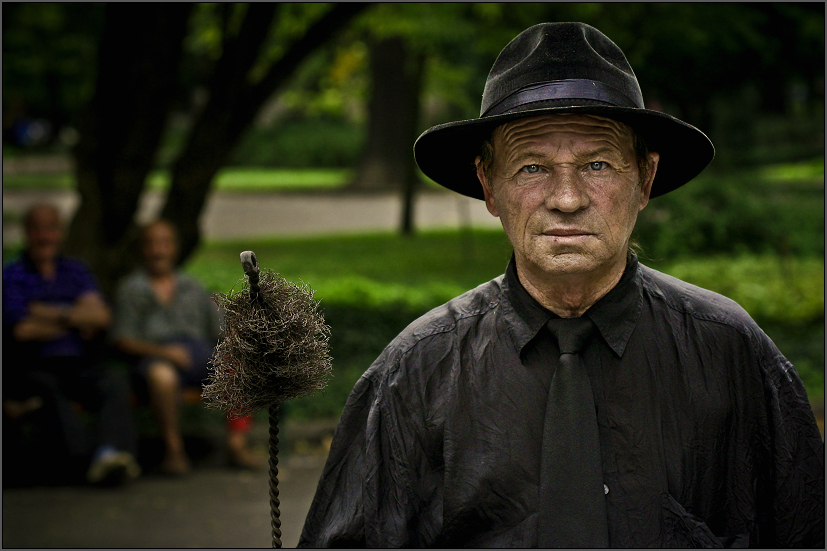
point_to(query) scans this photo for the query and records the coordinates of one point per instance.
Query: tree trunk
(121, 128)
(411, 182)
(396, 74)
(231, 108)
(387, 161)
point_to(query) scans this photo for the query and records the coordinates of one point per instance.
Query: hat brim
(446, 153)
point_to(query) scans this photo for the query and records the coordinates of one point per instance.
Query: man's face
(44, 234)
(567, 190)
(160, 249)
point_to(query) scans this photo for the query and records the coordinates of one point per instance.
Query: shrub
(769, 211)
(314, 143)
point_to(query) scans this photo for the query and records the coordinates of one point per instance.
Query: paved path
(212, 507)
(231, 215)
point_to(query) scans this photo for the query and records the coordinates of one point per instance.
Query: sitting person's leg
(164, 386)
(164, 383)
(239, 453)
(53, 381)
(106, 393)
(238, 450)
(43, 436)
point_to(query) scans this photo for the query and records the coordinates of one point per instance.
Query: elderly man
(581, 399)
(52, 311)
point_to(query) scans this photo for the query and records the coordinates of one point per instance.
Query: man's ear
(486, 188)
(646, 185)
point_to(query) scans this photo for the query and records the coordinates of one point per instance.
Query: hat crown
(577, 58)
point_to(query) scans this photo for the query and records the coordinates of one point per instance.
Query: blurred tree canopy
(196, 80)
(240, 54)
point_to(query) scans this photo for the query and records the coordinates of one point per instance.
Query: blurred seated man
(52, 312)
(169, 324)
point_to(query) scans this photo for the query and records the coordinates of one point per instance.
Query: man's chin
(568, 262)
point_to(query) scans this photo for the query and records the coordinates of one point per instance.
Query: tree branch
(318, 34)
(241, 51)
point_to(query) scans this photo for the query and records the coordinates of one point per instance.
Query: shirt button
(605, 489)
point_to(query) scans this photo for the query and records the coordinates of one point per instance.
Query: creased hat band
(571, 89)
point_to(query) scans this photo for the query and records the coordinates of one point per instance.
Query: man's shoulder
(444, 325)
(14, 268)
(692, 300)
(464, 308)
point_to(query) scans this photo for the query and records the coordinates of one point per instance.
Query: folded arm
(89, 315)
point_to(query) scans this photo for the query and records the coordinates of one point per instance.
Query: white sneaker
(113, 468)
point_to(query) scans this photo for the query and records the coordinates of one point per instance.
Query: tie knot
(571, 333)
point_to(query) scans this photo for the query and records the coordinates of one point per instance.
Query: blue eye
(531, 169)
(598, 165)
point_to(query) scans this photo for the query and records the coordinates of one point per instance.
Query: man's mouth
(566, 232)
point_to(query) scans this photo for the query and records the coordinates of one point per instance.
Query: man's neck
(570, 295)
(161, 277)
(47, 267)
(163, 286)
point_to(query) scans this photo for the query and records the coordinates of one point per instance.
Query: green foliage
(332, 84)
(777, 209)
(49, 54)
(771, 288)
(313, 143)
(802, 173)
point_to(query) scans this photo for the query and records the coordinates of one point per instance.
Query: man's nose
(566, 191)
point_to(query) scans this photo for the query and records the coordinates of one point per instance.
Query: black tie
(572, 497)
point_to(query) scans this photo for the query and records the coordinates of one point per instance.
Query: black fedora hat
(561, 68)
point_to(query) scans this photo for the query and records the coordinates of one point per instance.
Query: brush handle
(274, 476)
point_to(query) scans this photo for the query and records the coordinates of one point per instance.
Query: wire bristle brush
(274, 347)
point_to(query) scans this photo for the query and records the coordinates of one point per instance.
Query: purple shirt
(22, 284)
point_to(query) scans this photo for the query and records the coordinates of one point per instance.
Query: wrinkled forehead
(561, 130)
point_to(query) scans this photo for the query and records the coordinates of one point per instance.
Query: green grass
(811, 171)
(228, 179)
(375, 269)
(36, 180)
(269, 179)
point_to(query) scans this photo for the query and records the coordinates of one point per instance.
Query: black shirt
(707, 435)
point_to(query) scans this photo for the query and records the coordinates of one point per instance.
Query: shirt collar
(29, 265)
(615, 315)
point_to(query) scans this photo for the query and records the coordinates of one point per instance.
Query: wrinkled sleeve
(794, 511)
(363, 498)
